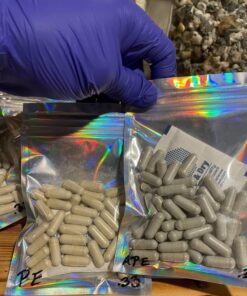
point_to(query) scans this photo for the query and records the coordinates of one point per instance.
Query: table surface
(179, 287)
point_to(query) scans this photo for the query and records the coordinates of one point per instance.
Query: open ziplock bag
(200, 121)
(72, 180)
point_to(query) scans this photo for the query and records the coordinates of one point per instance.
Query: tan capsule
(160, 236)
(219, 262)
(207, 210)
(92, 203)
(195, 256)
(59, 204)
(173, 247)
(46, 187)
(200, 246)
(98, 236)
(161, 168)
(70, 239)
(240, 251)
(146, 155)
(157, 201)
(171, 189)
(75, 199)
(218, 246)
(158, 155)
(108, 232)
(95, 254)
(92, 186)
(228, 203)
(55, 251)
(154, 225)
(171, 172)
(150, 179)
(38, 194)
(152, 210)
(221, 227)
(110, 251)
(214, 188)
(143, 244)
(187, 166)
(173, 209)
(74, 250)
(190, 193)
(174, 257)
(6, 199)
(146, 188)
(167, 215)
(95, 195)
(112, 207)
(111, 192)
(138, 229)
(84, 211)
(58, 193)
(240, 203)
(55, 223)
(197, 232)
(73, 187)
(7, 208)
(150, 254)
(109, 219)
(38, 257)
(7, 189)
(232, 231)
(189, 223)
(38, 244)
(215, 205)
(43, 210)
(41, 266)
(72, 229)
(75, 261)
(175, 235)
(79, 220)
(168, 225)
(36, 232)
(187, 205)
(187, 181)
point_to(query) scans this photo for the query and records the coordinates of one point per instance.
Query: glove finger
(147, 41)
(132, 88)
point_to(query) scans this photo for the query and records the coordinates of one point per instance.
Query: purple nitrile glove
(73, 49)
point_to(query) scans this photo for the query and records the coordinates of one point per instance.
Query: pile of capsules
(78, 225)
(190, 223)
(9, 196)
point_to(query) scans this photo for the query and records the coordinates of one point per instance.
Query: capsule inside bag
(11, 203)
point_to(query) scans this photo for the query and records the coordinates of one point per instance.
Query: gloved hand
(72, 49)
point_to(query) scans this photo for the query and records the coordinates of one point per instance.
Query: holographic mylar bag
(12, 105)
(71, 180)
(11, 203)
(185, 182)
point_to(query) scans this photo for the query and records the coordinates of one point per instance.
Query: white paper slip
(226, 170)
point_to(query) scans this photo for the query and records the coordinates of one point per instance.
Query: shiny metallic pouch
(11, 203)
(213, 110)
(11, 107)
(76, 142)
